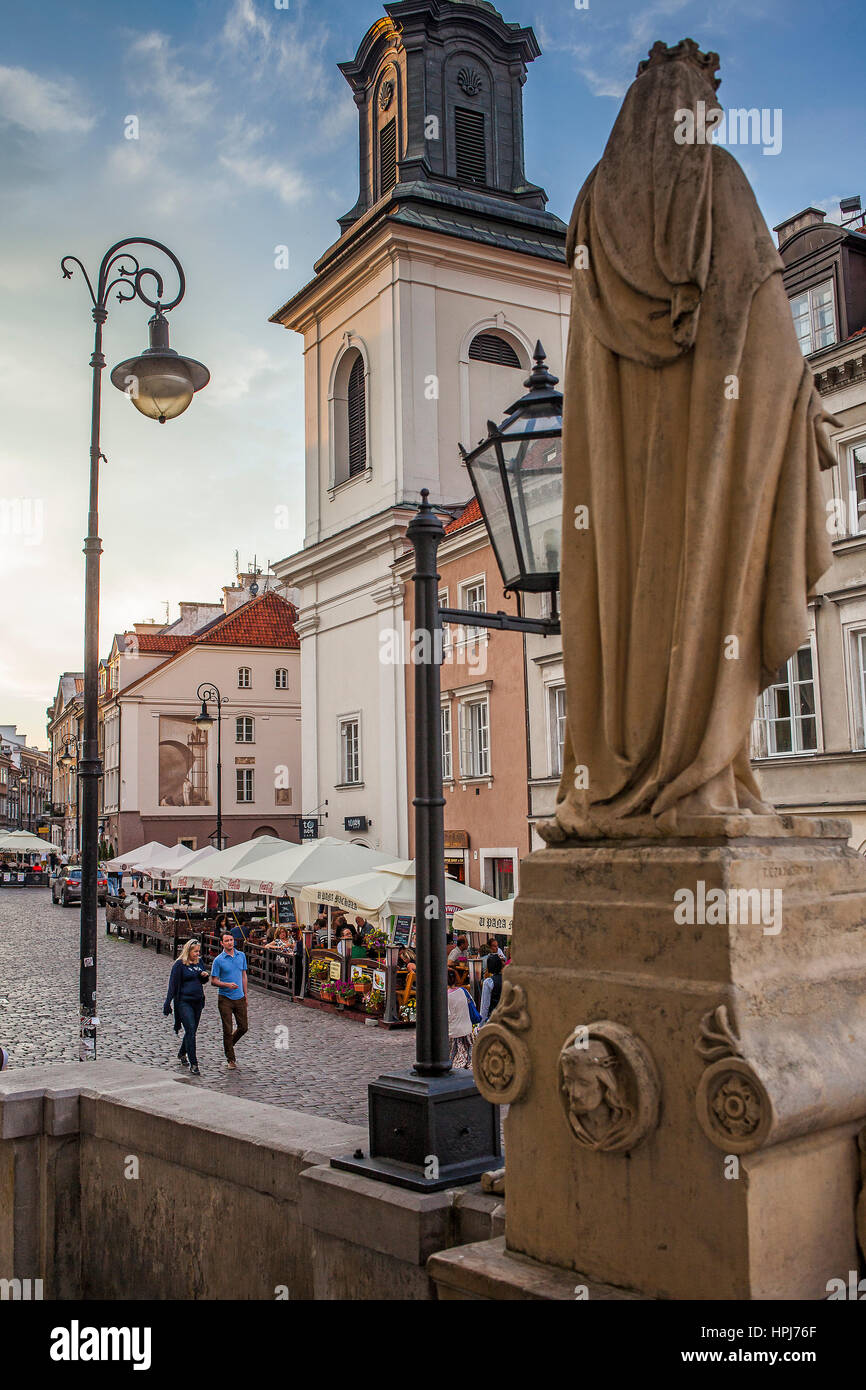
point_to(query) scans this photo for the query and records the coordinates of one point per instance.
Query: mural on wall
(183, 762)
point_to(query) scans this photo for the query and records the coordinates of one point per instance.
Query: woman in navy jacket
(186, 994)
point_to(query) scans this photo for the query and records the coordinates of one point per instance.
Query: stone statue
(694, 525)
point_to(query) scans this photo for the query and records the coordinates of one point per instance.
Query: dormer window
(815, 317)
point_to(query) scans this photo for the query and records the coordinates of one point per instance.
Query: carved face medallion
(608, 1086)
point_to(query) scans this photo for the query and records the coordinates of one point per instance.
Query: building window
(786, 718)
(470, 143)
(815, 317)
(245, 678)
(350, 751)
(245, 783)
(858, 663)
(245, 729)
(857, 489)
(387, 157)
(473, 596)
(281, 679)
(475, 738)
(349, 422)
(556, 716)
(357, 405)
(490, 347)
(447, 760)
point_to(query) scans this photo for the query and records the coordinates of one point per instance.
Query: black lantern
(516, 474)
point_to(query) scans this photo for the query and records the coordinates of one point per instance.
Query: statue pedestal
(683, 1048)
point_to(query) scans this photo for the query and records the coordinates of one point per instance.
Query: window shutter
(471, 145)
(387, 157)
(357, 404)
(488, 348)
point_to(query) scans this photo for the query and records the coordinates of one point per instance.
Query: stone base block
(488, 1271)
(683, 1042)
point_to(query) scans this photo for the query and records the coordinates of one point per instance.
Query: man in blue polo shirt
(229, 973)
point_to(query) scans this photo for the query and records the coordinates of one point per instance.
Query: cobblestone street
(325, 1070)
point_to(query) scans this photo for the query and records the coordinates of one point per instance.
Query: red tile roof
(265, 621)
(471, 512)
(156, 643)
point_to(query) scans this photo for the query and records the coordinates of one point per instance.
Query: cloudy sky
(247, 142)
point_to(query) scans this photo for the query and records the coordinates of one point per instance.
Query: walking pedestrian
(186, 996)
(459, 1022)
(229, 973)
(491, 990)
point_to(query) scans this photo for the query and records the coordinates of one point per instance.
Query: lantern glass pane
(534, 471)
(489, 486)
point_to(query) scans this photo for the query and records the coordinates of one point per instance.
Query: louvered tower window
(357, 403)
(488, 348)
(471, 145)
(387, 157)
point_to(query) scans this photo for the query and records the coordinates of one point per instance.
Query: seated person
(460, 951)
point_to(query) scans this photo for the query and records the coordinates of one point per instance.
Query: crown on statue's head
(686, 51)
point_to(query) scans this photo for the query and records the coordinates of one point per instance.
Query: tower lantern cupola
(439, 90)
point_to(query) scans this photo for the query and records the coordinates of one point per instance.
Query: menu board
(286, 910)
(402, 931)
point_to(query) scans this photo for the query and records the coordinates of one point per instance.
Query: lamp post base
(427, 1132)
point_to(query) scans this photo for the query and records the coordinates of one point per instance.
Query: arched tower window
(357, 413)
(492, 376)
(349, 421)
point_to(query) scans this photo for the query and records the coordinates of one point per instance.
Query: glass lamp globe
(160, 383)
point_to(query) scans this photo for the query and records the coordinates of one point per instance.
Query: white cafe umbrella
(22, 842)
(314, 861)
(388, 889)
(129, 859)
(496, 921)
(208, 874)
(183, 862)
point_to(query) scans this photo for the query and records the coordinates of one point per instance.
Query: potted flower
(376, 940)
(344, 993)
(376, 1001)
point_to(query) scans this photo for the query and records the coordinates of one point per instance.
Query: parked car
(66, 887)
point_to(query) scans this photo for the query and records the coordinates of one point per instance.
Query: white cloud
(42, 106)
(269, 174)
(182, 98)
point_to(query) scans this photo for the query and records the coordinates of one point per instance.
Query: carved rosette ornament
(733, 1106)
(609, 1087)
(500, 1059)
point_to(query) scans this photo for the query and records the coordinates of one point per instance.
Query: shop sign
(456, 839)
(309, 828)
(355, 824)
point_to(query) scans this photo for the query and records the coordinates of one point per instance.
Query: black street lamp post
(419, 1137)
(161, 385)
(68, 760)
(204, 720)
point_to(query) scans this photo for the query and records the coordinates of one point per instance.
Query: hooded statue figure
(694, 525)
